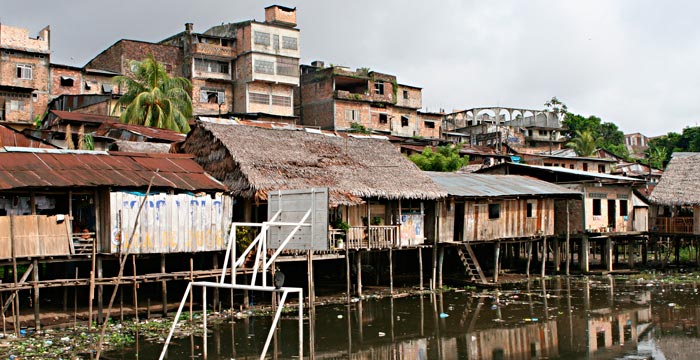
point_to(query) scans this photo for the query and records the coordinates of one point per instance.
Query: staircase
(471, 265)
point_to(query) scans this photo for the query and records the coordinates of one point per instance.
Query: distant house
(373, 188)
(676, 198)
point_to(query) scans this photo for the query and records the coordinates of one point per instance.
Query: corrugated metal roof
(107, 129)
(581, 172)
(10, 137)
(481, 185)
(82, 117)
(28, 168)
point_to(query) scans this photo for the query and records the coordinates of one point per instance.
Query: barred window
(281, 100)
(261, 38)
(24, 72)
(287, 67)
(264, 67)
(16, 105)
(212, 96)
(257, 98)
(211, 66)
(289, 42)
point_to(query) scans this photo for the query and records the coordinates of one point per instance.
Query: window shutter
(221, 97)
(203, 97)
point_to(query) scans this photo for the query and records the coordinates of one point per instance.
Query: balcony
(346, 95)
(673, 225)
(215, 50)
(379, 237)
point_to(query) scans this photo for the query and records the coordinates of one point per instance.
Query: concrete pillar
(608, 254)
(585, 250)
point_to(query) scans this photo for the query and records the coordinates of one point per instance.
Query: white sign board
(293, 205)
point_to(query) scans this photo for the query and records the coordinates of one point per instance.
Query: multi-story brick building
(24, 75)
(336, 97)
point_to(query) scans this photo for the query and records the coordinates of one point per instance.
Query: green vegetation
(155, 99)
(359, 128)
(445, 159)
(583, 143)
(688, 140)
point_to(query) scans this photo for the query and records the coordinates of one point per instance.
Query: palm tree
(583, 143)
(153, 98)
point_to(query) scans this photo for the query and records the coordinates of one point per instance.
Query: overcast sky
(634, 63)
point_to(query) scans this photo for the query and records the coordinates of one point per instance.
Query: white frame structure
(262, 264)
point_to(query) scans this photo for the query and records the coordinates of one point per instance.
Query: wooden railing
(379, 237)
(83, 243)
(674, 225)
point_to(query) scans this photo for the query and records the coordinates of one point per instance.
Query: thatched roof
(258, 160)
(680, 182)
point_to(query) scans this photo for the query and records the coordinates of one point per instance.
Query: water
(576, 318)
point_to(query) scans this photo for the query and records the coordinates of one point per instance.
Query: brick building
(24, 75)
(336, 97)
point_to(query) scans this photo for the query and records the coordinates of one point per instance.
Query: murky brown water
(576, 318)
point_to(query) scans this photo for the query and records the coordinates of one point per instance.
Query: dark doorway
(611, 214)
(459, 222)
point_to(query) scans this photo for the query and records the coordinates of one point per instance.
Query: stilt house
(675, 199)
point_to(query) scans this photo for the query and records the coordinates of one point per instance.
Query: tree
(556, 106)
(656, 156)
(445, 159)
(153, 98)
(583, 144)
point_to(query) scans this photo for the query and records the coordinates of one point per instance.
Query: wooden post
(544, 256)
(496, 258)
(136, 298)
(310, 271)
(557, 255)
(347, 274)
(568, 242)
(420, 268)
(215, 291)
(433, 280)
(584, 253)
(35, 277)
(608, 254)
(391, 273)
(121, 304)
(163, 287)
(441, 258)
(75, 301)
(358, 262)
(191, 280)
(100, 291)
(529, 258)
(15, 301)
(91, 296)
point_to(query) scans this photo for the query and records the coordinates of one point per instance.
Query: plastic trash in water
(443, 315)
(382, 334)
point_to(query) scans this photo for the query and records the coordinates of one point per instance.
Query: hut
(493, 210)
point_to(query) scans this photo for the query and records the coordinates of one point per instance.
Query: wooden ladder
(471, 264)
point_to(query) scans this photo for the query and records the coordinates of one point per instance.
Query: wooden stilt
(191, 280)
(568, 238)
(35, 285)
(312, 290)
(15, 303)
(433, 280)
(608, 254)
(557, 255)
(496, 259)
(121, 304)
(630, 253)
(347, 275)
(584, 253)
(136, 285)
(391, 273)
(420, 268)
(441, 258)
(215, 291)
(529, 258)
(65, 290)
(544, 256)
(75, 301)
(91, 296)
(163, 287)
(100, 292)
(358, 262)
(148, 307)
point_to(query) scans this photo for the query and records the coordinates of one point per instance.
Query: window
(16, 105)
(404, 121)
(281, 100)
(35, 97)
(601, 169)
(261, 38)
(352, 115)
(571, 166)
(542, 132)
(257, 98)
(24, 72)
(107, 88)
(276, 42)
(596, 208)
(585, 166)
(211, 66)
(379, 88)
(264, 67)
(288, 67)
(405, 94)
(383, 118)
(494, 211)
(289, 42)
(212, 96)
(623, 207)
(67, 81)
(429, 124)
(529, 209)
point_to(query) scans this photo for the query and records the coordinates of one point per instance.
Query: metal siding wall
(172, 223)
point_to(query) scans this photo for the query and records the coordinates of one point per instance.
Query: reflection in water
(561, 318)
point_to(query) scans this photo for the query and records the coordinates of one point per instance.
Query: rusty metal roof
(480, 186)
(82, 117)
(131, 132)
(10, 137)
(31, 168)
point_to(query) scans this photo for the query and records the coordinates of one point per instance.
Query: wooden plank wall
(513, 221)
(35, 236)
(171, 223)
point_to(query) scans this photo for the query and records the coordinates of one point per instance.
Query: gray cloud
(630, 62)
